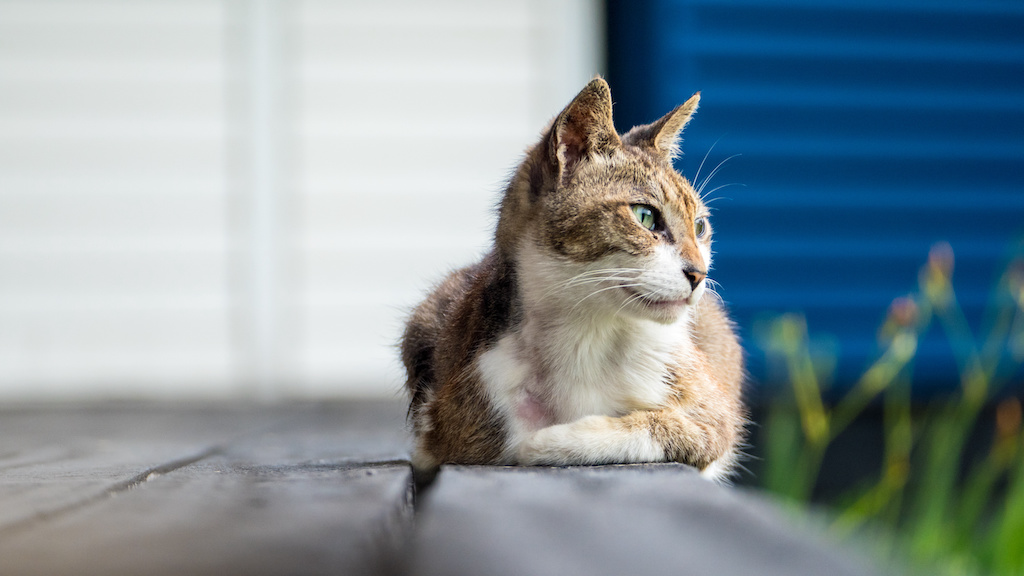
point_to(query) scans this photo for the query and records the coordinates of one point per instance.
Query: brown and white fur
(583, 337)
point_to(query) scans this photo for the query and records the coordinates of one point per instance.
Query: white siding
(233, 197)
(112, 204)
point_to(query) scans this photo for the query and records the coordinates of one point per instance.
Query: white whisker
(696, 176)
(705, 199)
(606, 288)
(594, 276)
(630, 300)
(704, 184)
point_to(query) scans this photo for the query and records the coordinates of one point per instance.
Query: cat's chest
(541, 378)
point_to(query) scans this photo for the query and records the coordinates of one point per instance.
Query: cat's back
(445, 329)
(419, 341)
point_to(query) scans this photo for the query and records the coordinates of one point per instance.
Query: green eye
(700, 226)
(644, 215)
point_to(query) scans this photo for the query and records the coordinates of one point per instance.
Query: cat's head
(601, 222)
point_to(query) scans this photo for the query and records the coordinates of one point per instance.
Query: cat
(587, 335)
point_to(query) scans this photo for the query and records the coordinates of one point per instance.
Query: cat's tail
(418, 342)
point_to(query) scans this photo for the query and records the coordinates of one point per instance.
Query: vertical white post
(264, 52)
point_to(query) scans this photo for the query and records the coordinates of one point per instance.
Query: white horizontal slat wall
(112, 204)
(411, 115)
(233, 197)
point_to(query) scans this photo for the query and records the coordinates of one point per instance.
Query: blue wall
(867, 131)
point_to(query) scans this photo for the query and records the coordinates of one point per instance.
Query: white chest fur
(577, 351)
(549, 372)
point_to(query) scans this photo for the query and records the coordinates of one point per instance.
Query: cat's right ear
(663, 134)
(584, 129)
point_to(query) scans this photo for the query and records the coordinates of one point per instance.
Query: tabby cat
(588, 334)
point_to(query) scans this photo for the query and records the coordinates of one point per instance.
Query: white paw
(589, 440)
(552, 446)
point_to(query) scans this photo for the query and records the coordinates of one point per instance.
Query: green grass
(933, 515)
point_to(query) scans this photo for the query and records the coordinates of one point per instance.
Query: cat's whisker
(594, 276)
(711, 288)
(634, 298)
(624, 274)
(606, 288)
(700, 188)
(605, 271)
(584, 281)
(696, 176)
(707, 200)
(601, 273)
(704, 183)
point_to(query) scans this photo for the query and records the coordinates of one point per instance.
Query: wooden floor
(326, 489)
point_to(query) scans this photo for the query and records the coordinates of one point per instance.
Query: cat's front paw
(589, 440)
(548, 446)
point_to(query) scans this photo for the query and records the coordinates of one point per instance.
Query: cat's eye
(645, 215)
(700, 226)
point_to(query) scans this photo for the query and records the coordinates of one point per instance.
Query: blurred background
(231, 199)
(217, 198)
(242, 199)
(852, 137)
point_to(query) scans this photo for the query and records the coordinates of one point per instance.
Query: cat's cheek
(705, 252)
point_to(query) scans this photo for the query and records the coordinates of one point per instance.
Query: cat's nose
(694, 276)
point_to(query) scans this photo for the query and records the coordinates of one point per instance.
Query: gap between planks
(146, 475)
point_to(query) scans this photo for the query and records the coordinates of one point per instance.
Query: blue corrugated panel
(863, 132)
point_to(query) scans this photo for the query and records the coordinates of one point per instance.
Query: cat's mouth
(657, 303)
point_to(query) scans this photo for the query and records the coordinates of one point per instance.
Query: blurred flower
(903, 312)
(940, 259)
(903, 315)
(936, 275)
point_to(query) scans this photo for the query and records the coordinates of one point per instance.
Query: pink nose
(694, 275)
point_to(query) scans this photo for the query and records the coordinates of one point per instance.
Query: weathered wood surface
(318, 489)
(291, 490)
(610, 520)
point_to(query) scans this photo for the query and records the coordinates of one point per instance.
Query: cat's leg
(642, 436)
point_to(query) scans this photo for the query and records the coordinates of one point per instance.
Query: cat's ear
(584, 129)
(663, 134)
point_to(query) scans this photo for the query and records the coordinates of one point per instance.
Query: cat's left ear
(663, 134)
(584, 129)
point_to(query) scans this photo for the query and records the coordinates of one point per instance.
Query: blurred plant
(965, 523)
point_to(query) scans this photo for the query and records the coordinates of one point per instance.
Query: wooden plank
(270, 491)
(614, 520)
(325, 488)
(58, 458)
(229, 516)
